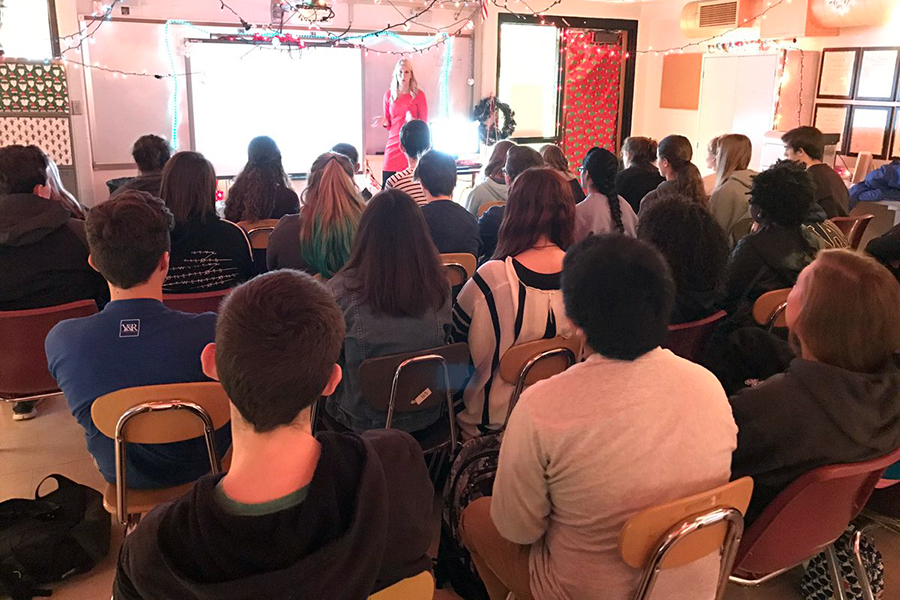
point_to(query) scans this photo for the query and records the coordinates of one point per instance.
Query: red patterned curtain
(590, 95)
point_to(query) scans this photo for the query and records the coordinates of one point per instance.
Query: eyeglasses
(579, 169)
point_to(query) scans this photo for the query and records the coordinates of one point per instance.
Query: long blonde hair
(395, 83)
(733, 154)
(848, 316)
(330, 214)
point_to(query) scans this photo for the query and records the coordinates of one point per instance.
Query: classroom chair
(24, 374)
(487, 206)
(768, 310)
(689, 340)
(157, 414)
(258, 232)
(685, 530)
(418, 587)
(459, 267)
(853, 228)
(805, 519)
(526, 364)
(197, 303)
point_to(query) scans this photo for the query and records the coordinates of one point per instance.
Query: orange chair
(526, 364)
(258, 232)
(689, 340)
(459, 267)
(487, 206)
(24, 374)
(683, 531)
(768, 310)
(853, 228)
(196, 303)
(157, 414)
(806, 518)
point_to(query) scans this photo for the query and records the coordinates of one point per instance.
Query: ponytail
(603, 166)
(677, 150)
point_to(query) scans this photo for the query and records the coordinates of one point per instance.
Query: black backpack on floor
(50, 538)
(471, 477)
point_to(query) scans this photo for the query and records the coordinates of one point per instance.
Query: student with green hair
(319, 239)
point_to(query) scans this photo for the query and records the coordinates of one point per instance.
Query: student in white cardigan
(515, 297)
(603, 211)
(632, 427)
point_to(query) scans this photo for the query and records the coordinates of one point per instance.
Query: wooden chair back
(418, 587)
(197, 303)
(488, 206)
(459, 267)
(768, 310)
(853, 228)
(258, 232)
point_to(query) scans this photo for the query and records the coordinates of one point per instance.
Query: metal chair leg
(860, 567)
(837, 586)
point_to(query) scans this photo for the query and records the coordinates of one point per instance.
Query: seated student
(150, 153)
(452, 228)
(728, 203)
(886, 250)
(493, 188)
(296, 516)
(395, 298)
(415, 140)
(603, 211)
(806, 145)
(92, 356)
(318, 239)
(518, 160)
(350, 151)
(555, 158)
(712, 162)
(772, 257)
(262, 190)
(674, 162)
(514, 297)
(208, 253)
(632, 427)
(43, 251)
(640, 176)
(837, 402)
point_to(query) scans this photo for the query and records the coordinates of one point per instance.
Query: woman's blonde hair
(849, 315)
(395, 83)
(733, 154)
(554, 157)
(330, 214)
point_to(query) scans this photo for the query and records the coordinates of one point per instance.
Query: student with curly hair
(773, 256)
(262, 189)
(640, 176)
(319, 238)
(695, 247)
(674, 163)
(603, 211)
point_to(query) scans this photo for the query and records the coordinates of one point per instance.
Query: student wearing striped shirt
(415, 140)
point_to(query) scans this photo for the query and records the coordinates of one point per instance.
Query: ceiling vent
(722, 14)
(709, 17)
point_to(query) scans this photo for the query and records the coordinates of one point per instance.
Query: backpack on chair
(471, 477)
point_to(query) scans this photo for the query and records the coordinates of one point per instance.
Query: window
(529, 77)
(25, 29)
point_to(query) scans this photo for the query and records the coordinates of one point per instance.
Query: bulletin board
(681, 81)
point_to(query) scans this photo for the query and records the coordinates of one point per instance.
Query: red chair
(853, 228)
(689, 340)
(24, 374)
(196, 303)
(806, 518)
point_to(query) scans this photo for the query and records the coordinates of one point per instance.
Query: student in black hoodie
(43, 250)
(296, 516)
(839, 401)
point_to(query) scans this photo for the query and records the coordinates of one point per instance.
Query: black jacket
(489, 229)
(363, 526)
(43, 255)
(811, 416)
(831, 192)
(766, 260)
(209, 256)
(452, 227)
(636, 182)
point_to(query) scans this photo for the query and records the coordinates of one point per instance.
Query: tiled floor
(53, 443)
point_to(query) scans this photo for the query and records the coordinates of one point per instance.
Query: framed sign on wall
(837, 77)
(876, 80)
(833, 118)
(870, 129)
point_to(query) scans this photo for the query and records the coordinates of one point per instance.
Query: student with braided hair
(603, 211)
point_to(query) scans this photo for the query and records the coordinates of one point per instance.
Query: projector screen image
(306, 101)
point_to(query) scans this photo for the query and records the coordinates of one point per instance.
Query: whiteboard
(307, 101)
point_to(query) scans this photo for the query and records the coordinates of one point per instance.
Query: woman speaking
(403, 102)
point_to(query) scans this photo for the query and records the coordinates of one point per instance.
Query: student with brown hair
(337, 515)
(674, 163)
(319, 238)
(262, 190)
(640, 175)
(208, 253)
(395, 298)
(150, 153)
(843, 386)
(728, 203)
(555, 158)
(493, 188)
(806, 145)
(515, 297)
